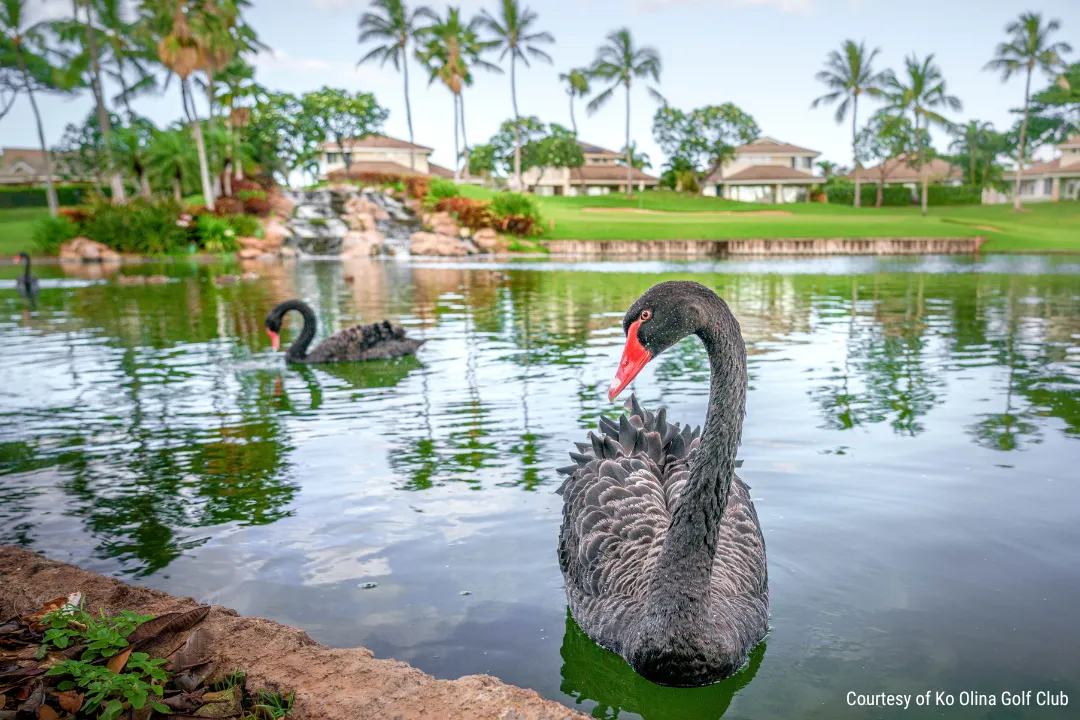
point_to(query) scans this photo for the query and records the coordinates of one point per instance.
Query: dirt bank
(328, 683)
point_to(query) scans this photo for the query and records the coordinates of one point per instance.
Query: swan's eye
(646, 314)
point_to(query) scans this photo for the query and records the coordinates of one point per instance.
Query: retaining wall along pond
(765, 247)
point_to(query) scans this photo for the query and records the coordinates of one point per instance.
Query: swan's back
(619, 497)
(364, 342)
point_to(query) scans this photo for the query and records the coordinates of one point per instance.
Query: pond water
(912, 438)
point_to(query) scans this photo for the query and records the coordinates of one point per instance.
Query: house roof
(356, 168)
(375, 141)
(770, 173)
(607, 174)
(1073, 142)
(1051, 167)
(440, 171)
(28, 165)
(771, 146)
(597, 150)
(898, 170)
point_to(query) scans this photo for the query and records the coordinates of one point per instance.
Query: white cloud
(281, 60)
(795, 7)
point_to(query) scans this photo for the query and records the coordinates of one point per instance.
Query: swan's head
(22, 257)
(663, 316)
(273, 326)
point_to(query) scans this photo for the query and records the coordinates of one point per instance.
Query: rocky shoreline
(328, 683)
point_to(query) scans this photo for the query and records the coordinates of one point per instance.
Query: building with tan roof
(26, 166)
(378, 153)
(1057, 179)
(601, 174)
(765, 170)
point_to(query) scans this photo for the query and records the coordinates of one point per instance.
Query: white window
(331, 158)
(1048, 186)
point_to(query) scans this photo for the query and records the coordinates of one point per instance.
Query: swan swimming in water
(661, 550)
(377, 341)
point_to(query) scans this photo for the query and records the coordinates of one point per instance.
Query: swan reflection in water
(591, 673)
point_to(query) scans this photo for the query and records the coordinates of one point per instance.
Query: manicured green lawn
(15, 227)
(1042, 227)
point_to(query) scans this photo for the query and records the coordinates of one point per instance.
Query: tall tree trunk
(629, 156)
(230, 155)
(922, 163)
(457, 160)
(116, 180)
(177, 188)
(408, 107)
(517, 126)
(464, 138)
(855, 147)
(50, 189)
(573, 121)
(200, 146)
(880, 194)
(144, 182)
(972, 141)
(1017, 205)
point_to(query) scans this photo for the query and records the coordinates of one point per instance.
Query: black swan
(378, 341)
(660, 548)
(26, 284)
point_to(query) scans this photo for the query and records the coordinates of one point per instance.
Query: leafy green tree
(678, 174)
(705, 137)
(236, 85)
(577, 85)
(483, 161)
(171, 157)
(1029, 48)
(528, 130)
(638, 160)
(25, 61)
(83, 147)
(848, 74)
(922, 91)
(283, 137)
(513, 32)
(619, 61)
(450, 50)
(339, 116)
(1058, 105)
(558, 149)
(967, 147)
(393, 28)
(887, 137)
(828, 169)
(131, 146)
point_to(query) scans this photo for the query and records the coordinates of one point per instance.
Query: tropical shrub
(228, 206)
(439, 189)
(137, 227)
(416, 186)
(215, 234)
(843, 193)
(256, 205)
(954, 195)
(473, 214)
(245, 225)
(510, 203)
(52, 232)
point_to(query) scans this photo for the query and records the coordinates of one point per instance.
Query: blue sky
(760, 54)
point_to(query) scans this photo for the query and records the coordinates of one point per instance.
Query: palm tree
(394, 28)
(577, 85)
(34, 72)
(848, 74)
(450, 50)
(828, 169)
(1028, 48)
(169, 157)
(513, 32)
(969, 141)
(922, 94)
(619, 61)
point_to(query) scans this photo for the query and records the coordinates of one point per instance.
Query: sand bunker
(989, 228)
(715, 213)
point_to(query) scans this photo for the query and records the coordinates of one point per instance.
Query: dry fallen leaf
(47, 713)
(70, 700)
(196, 650)
(167, 624)
(119, 660)
(227, 703)
(34, 621)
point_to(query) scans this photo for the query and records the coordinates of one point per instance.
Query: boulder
(281, 206)
(274, 234)
(249, 253)
(82, 249)
(464, 232)
(287, 252)
(427, 243)
(250, 242)
(362, 243)
(486, 239)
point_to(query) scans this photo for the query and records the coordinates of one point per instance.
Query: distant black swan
(661, 550)
(26, 284)
(378, 341)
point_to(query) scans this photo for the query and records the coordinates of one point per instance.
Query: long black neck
(297, 352)
(26, 270)
(683, 571)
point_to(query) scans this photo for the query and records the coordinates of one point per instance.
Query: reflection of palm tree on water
(591, 673)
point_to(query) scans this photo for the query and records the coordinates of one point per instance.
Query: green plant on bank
(271, 704)
(229, 681)
(439, 189)
(51, 232)
(137, 227)
(102, 686)
(251, 194)
(103, 636)
(216, 234)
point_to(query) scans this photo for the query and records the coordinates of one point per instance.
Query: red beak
(275, 341)
(634, 358)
